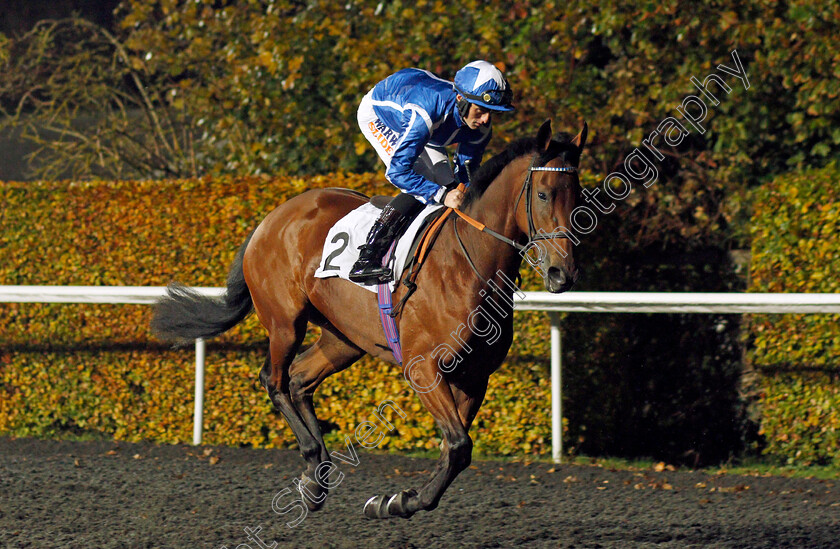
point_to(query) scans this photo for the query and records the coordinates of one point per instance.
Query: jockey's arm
(409, 148)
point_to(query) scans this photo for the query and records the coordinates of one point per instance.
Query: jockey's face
(477, 116)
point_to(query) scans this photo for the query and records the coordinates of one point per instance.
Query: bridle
(533, 236)
(528, 190)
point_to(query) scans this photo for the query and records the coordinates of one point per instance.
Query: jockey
(409, 118)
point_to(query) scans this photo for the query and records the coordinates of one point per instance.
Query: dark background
(16, 18)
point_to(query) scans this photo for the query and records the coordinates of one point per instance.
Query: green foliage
(289, 75)
(801, 418)
(796, 248)
(272, 87)
(96, 369)
(4, 48)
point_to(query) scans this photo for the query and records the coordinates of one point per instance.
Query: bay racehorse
(523, 195)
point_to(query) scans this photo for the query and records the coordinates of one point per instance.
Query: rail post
(556, 388)
(198, 414)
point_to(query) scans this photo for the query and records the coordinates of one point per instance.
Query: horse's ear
(580, 139)
(544, 136)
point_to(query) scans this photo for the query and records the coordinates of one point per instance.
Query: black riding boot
(368, 270)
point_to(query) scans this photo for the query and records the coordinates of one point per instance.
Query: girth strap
(389, 325)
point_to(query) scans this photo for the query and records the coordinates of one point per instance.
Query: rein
(527, 190)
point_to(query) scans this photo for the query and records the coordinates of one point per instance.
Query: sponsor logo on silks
(385, 135)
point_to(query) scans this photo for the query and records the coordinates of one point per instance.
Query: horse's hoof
(375, 508)
(314, 495)
(313, 505)
(398, 504)
(382, 507)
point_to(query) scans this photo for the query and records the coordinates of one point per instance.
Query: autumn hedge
(661, 385)
(796, 248)
(95, 369)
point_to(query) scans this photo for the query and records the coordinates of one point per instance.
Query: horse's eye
(542, 196)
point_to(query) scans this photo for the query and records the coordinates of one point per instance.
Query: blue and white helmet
(483, 84)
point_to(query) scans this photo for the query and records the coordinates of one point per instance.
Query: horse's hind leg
(284, 341)
(292, 395)
(331, 354)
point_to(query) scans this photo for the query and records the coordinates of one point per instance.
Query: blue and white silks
(412, 115)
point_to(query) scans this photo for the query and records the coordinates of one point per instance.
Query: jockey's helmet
(481, 83)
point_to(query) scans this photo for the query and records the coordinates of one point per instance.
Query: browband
(549, 169)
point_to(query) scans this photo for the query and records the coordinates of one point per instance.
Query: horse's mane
(491, 169)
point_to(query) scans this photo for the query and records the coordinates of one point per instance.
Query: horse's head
(545, 201)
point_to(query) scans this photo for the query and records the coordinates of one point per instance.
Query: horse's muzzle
(559, 280)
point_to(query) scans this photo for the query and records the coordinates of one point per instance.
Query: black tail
(184, 314)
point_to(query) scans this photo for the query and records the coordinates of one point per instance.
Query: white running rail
(139, 295)
(591, 302)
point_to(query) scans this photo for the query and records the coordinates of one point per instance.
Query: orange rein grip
(439, 221)
(477, 224)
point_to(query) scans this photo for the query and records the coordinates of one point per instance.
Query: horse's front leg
(456, 452)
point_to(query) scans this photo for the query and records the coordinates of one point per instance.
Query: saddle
(418, 251)
(381, 200)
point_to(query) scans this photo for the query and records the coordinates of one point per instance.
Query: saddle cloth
(341, 248)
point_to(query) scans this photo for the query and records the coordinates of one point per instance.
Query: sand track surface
(114, 494)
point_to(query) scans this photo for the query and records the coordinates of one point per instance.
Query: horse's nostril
(559, 279)
(557, 276)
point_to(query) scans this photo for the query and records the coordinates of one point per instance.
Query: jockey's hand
(453, 198)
